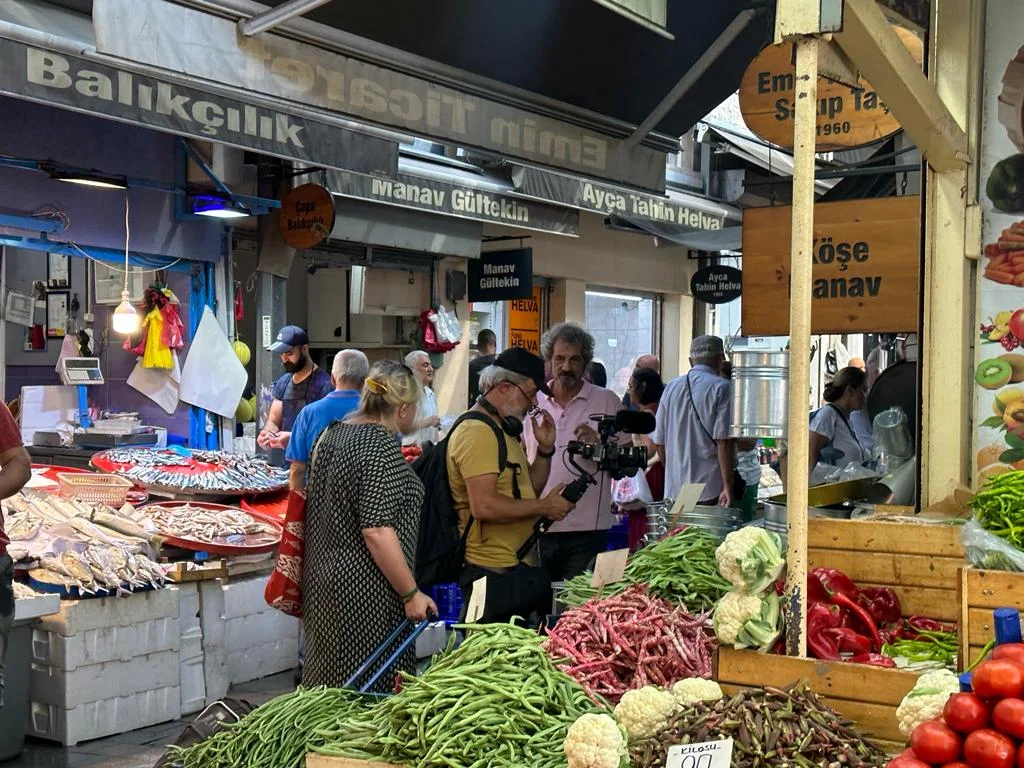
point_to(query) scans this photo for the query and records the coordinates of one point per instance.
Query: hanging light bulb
(125, 319)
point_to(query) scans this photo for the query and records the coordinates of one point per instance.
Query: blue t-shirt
(315, 418)
(295, 397)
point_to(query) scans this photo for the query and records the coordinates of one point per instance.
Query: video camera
(617, 460)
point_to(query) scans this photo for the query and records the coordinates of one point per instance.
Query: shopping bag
(284, 587)
(631, 492)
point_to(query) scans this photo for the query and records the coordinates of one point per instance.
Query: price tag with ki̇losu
(609, 568)
(686, 500)
(477, 601)
(708, 754)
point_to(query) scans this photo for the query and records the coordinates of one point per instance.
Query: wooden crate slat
(994, 589)
(314, 760)
(896, 537)
(980, 628)
(886, 568)
(858, 682)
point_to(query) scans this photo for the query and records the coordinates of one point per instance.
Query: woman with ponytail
(362, 522)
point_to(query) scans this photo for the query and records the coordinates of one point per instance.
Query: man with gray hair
(348, 372)
(427, 426)
(692, 434)
(568, 548)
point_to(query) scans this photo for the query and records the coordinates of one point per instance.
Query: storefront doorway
(624, 326)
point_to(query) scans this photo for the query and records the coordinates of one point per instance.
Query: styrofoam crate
(191, 646)
(78, 616)
(69, 726)
(193, 686)
(188, 608)
(262, 661)
(96, 682)
(97, 646)
(244, 597)
(259, 629)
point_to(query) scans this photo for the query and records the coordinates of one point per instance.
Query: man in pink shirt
(568, 548)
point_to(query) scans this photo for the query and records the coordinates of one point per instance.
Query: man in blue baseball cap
(303, 383)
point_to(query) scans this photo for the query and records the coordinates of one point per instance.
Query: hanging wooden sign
(307, 216)
(847, 117)
(866, 265)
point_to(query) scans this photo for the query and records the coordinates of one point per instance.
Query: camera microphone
(635, 422)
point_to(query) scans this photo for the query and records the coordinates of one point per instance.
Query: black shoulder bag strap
(849, 428)
(696, 412)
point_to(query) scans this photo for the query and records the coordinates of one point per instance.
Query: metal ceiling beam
(700, 66)
(261, 22)
(871, 43)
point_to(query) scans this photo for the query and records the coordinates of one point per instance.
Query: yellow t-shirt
(473, 451)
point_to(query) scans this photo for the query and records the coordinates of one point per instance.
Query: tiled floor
(136, 749)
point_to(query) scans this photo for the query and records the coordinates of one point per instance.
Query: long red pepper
(843, 601)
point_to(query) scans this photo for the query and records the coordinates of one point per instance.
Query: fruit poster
(999, 363)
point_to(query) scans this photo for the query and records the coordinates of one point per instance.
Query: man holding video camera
(571, 545)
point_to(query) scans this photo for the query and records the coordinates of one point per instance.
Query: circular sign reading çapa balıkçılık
(307, 216)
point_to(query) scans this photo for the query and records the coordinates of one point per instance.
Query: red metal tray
(252, 544)
(268, 506)
(187, 467)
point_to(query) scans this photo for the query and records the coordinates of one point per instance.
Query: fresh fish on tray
(199, 524)
(231, 473)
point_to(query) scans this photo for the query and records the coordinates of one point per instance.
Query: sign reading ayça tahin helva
(716, 285)
(847, 117)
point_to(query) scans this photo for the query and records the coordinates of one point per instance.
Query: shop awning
(60, 67)
(712, 241)
(520, 80)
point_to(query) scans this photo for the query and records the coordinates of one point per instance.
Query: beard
(567, 378)
(291, 367)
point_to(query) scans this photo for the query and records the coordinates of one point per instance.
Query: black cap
(518, 360)
(289, 337)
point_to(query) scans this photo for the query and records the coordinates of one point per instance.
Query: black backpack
(440, 549)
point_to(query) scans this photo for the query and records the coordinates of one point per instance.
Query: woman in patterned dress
(362, 520)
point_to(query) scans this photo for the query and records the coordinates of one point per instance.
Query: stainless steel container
(760, 386)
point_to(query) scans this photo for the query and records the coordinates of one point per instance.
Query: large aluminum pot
(760, 387)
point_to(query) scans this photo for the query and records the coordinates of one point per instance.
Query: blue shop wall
(31, 131)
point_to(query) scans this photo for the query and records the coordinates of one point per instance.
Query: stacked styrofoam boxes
(243, 638)
(105, 666)
(193, 682)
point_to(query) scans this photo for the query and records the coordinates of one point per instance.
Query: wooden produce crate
(980, 593)
(866, 695)
(324, 761)
(920, 562)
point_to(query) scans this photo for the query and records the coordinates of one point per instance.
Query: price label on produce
(609, 568)
(477, 601)
(686, 500)
(707, 754)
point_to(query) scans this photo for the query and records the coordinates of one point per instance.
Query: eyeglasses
(531, 399)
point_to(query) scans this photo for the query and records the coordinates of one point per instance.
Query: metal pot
(760, 391)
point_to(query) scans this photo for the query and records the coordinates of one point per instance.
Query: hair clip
(377, 387)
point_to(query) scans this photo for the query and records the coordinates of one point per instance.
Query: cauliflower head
(594, 741)
(694, 689)
(750, 559)
(733, 611)
(645, 712)
(926, 699)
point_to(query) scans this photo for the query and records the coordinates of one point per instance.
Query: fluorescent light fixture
(89, 179)
(218, 208)
(126, 319)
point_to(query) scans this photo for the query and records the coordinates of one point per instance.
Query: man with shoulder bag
(495, 489)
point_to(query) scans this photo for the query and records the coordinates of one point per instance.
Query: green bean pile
(679, 568)
(271, 736)
(999, 507)
(495, 701)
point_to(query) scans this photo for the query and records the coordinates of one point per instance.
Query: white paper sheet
(68, 348)
(213, 378)
(161, 385)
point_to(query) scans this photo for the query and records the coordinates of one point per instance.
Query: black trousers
(522, 592)
(564, 555)
(6, 612)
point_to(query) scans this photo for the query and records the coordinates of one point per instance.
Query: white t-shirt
(689, 435)
(828, 422)
(427, 407)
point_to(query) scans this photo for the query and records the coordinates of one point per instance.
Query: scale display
(80, 370)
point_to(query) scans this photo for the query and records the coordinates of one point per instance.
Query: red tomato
(965, 713)
(989, 749)
(1008, 717)
(1020, 757)
(957, 764)
(906, 762)
(935, 742)
(998, 680)
(1009, 652)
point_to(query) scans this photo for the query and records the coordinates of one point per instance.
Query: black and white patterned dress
(358, 479)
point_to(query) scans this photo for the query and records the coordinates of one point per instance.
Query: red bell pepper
(823, 583)
(861, 614)
(822, 617)
(882, 603)
(874, 659)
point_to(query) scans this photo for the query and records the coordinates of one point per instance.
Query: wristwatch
(545, 454)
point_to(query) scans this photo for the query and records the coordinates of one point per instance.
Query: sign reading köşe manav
(866, 264)
(524, 322)
(501, 275)
(847, 117)
(307, 216)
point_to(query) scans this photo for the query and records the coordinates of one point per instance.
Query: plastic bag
(894, 444)
(447, 325)
(986, 550)
(434, 339)
(631, 492)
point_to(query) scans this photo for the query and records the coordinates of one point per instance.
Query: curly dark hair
(571, 333)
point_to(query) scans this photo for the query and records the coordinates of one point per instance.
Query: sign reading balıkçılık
(307, 216)
(847, 117)
(501, 275)
(716, 285)
(866, 264)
